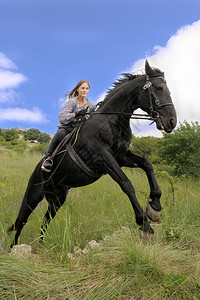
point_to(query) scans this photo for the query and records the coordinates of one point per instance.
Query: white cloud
(6, 63)
(23, 115)
(10, 79)
(180, 60)
(8, 96)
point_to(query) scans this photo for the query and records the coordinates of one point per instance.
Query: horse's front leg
(134, 161)
(114, 170)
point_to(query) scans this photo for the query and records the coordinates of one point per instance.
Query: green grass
(125, 266)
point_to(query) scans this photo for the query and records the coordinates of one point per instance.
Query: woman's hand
(81, 113)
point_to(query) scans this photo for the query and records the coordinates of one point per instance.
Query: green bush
(43, 138)
(146, 147)
(10, 135)
(181, 149)
(35, 135)
(31, 134)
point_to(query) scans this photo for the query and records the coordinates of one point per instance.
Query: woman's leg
(48, 162)
(60, 134)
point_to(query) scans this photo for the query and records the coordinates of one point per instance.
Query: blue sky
(47, 46)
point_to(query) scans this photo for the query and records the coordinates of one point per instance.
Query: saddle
(69, 139)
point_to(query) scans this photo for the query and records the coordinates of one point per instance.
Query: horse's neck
(122, 99)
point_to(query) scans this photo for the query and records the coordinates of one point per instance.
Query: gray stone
(22, 250)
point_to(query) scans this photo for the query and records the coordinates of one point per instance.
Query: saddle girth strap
(80, 163)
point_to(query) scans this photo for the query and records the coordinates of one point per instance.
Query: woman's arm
(66, 114)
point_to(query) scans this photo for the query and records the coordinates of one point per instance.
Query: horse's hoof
(152, 214)
(147, 236)
(146, 231)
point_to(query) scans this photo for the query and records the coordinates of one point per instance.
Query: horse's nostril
(173, 122)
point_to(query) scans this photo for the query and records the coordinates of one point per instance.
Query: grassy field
(124, 265)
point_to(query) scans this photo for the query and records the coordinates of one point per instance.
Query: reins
(132, 116)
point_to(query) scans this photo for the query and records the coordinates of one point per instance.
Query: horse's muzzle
(167, 125)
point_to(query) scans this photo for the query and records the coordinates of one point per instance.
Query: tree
(31, 134)
(181, 149)
(35, 135)
(43, 137)
(10, 135)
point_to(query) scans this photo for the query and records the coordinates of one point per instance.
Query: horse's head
(160, 106)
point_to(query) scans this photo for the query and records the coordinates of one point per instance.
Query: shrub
(31, 134)
(181, 149)
(146, 147)
(10, 135)
(35, 135)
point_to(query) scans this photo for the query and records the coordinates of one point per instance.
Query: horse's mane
(125, 77)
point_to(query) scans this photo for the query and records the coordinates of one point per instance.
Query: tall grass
(167, 266)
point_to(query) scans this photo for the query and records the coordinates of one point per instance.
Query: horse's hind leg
(55, 201)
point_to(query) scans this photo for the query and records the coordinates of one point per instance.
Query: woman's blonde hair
(74, 92)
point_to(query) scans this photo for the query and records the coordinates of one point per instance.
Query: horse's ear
(149, 71)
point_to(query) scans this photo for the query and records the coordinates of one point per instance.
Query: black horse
(101, 146)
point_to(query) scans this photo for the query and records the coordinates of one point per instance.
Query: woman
(76, 104)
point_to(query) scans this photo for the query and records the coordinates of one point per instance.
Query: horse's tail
(32, 196)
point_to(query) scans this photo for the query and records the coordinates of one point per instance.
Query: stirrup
(49, 166)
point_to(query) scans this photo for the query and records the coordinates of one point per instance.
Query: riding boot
(47, 164)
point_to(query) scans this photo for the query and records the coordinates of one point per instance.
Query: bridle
(154, 114)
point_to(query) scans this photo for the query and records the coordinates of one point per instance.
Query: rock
(77, 251)
(22, 250)
(85, 251)
(93, 244)
(126, 230)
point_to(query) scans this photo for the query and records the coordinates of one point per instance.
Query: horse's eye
(158, 88)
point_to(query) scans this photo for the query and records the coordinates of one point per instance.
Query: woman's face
(83, 89)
